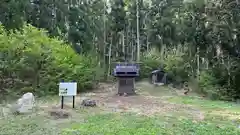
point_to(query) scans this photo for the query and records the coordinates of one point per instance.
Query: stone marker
(25, 104)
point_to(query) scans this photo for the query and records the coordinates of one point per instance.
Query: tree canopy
(192, 38)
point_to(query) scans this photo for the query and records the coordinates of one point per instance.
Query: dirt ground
(145, 102)
(163, 102)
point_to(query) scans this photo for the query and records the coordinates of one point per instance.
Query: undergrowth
(30, 61)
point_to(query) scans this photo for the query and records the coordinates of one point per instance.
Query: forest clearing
(189, 47)
(160, 110)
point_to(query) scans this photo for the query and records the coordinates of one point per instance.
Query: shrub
(209, 83)
(227, 75)
(150, 61)
(173, 63)
(219, 81)
(176, 65)
(31, 61)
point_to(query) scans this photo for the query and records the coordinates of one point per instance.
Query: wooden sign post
(67, 89)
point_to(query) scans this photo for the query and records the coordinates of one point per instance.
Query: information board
(67, 89)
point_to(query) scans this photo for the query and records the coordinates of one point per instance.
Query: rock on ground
(59, 113)
(89, 102)
(25, 104)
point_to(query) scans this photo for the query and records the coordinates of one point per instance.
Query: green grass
(116, 124)
(205, 104)
(21, 125)
(219, 112)
(129, 124)
(220, 118)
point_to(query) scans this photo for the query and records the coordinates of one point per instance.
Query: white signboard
(67, 89)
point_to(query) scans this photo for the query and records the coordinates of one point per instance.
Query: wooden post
(62, 102)
(73, 103)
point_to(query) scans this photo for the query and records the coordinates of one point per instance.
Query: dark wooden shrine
(158, 77)
(126, 74)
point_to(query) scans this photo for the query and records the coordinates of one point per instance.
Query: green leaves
(40, 62)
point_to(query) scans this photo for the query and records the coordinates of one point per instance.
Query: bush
(173, 63)
(209, 83)
(31, 61)
(227, 76)
(176, 65)
(219, 81)
(150, 61)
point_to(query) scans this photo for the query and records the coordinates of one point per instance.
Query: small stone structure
(158, 77)
(126, 73)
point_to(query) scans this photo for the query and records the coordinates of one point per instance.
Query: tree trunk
(198, 64)
(138, 42)
(123, 45)
(104, 41)
(109, 57)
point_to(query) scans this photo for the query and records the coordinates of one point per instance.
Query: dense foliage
(195, 40)
(31, 61)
